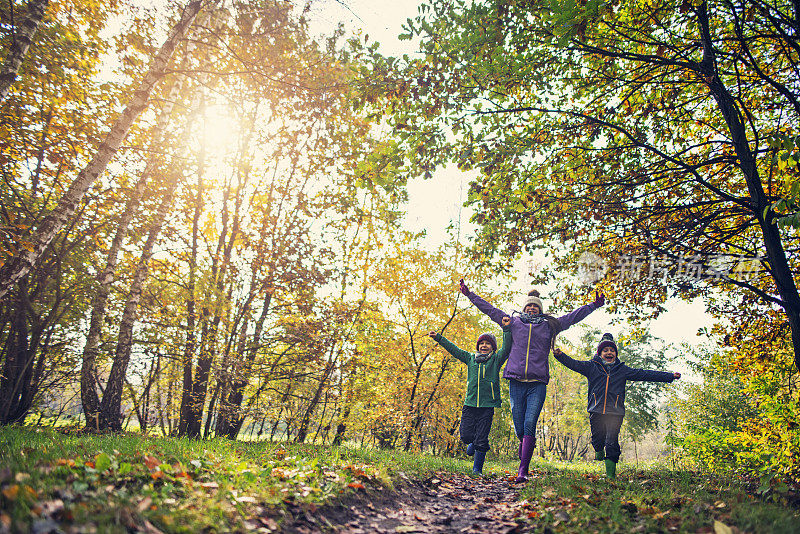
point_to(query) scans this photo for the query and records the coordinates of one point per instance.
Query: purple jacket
(530, 343)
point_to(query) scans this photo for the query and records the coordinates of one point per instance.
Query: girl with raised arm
(527, 371)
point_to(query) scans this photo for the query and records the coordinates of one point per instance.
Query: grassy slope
(131, 482)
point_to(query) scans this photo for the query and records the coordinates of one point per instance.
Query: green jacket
(483, 379)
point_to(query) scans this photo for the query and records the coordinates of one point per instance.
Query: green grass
(650, 499)
(120, 483)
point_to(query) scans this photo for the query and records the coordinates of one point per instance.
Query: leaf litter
(443, 502)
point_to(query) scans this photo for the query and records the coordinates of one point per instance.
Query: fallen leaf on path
(562, 516)
(149, 528)
(102, 461)
(11, 492)
(408, 528)
(269, 523)
(144, 504)
(48, 508)
(151, 462)
(722, 528)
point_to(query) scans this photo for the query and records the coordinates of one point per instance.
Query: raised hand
(558, 351)
(676, 375)
(432, 333)
(505, 321)
(463, 287)
(599, 298)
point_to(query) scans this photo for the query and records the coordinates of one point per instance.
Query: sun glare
(221, 132)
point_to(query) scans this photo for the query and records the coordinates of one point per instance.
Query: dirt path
(445, 502)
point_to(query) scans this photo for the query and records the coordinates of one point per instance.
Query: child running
(483, 389)
(607, 376)
(528, 370)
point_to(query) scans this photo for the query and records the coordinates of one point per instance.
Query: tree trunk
(16, 355)
(241, 377)
(39, 240)
(341, 428)
(89, 397)
(187, 416)
(20, 378)
(210, 325)
(776, 254)
(21, 41)
(110, 417)
(302, 430)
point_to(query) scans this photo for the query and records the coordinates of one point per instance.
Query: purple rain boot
(526, 451)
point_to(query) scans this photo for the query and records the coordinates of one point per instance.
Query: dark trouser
(475, 426)
(605, 433)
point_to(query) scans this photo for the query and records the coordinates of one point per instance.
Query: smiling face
(608, 354)
(484, 347)
(531, 309)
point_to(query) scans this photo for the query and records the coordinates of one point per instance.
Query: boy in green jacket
(483, 389)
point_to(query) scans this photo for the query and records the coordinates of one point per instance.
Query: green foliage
(629, 128)
(786, 211)
(744, 418)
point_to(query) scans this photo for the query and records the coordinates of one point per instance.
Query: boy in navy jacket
(607, 376)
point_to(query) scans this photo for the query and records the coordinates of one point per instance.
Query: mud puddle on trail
(444, 502)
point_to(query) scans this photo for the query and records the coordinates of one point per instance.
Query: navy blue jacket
(607, 384)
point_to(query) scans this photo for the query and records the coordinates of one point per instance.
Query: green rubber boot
(611, 469)
(599, 455)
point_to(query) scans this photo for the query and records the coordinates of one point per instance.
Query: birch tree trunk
(209, 338)
(19, 46)
(89, 397)
(187, 406)
(109, 416)
(28, 256)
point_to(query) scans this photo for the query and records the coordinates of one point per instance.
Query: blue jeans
(527, 399)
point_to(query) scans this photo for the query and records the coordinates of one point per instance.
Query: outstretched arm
(450, 347)
(505, 350)
(570, 363)
(579, 314)
(494, 314)
(646, 375)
